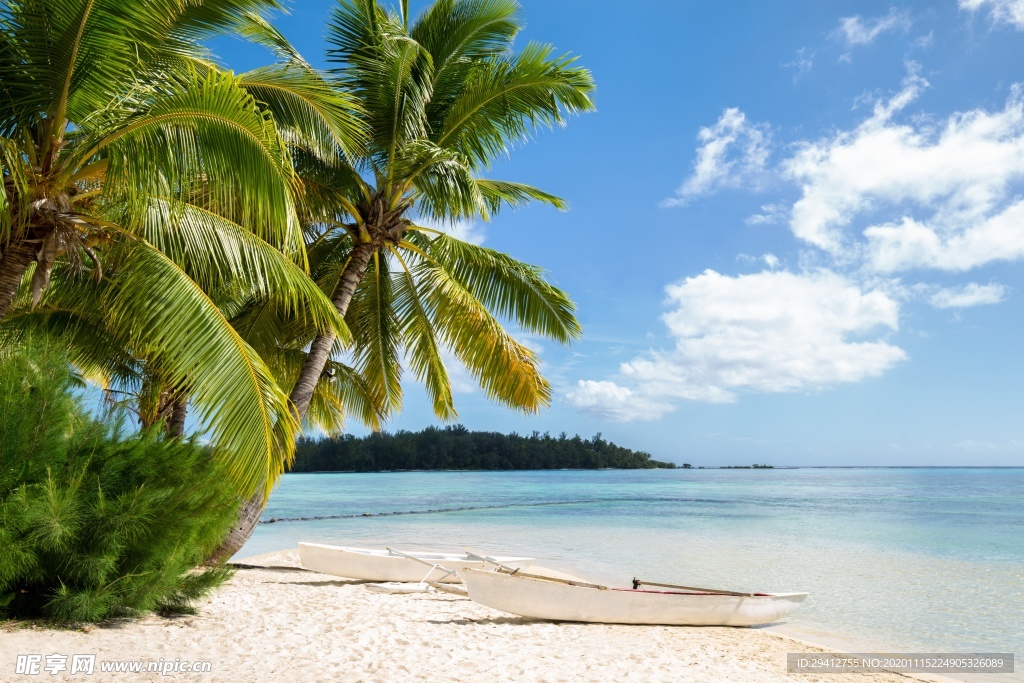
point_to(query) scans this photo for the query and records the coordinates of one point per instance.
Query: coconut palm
(443, 98)
(126, 153)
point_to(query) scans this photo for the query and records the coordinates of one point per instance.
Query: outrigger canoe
(540, 597)
(386, 565)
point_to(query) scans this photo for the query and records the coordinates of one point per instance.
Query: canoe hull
(379, 565)
(556, 601)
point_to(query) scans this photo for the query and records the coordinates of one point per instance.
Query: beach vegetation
(98, 520)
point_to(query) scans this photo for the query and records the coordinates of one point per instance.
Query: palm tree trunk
(176, 422)
(302, 393)
(13, 264)
(320, 349)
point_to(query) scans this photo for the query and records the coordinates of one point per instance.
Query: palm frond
(216, 252)
(345, 392)
(204, 127)
(459, 33)
(506, 370)
(385, 69)
(14, 198)
(377, 334)
(510, 288)
(230, 387)
(420, 340)
(498, 193)
(506, 97)
(311, 112)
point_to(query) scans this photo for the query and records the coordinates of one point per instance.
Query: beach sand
(283, 624)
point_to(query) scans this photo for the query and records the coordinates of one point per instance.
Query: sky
(795, 234)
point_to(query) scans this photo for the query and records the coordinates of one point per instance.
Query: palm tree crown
(128, 155)
(442, 98)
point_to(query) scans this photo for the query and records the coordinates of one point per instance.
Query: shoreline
(277, 620)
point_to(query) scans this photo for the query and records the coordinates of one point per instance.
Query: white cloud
(934, 196)
(769, 259)
(731, 152)
(773, 331)
(467, 231)
(770, 214)
(1001, 11)
(840, 175)
(611, 401)
(969, 295)
(857, 30)
(913, 244)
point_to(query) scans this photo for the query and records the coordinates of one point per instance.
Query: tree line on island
(457, 448)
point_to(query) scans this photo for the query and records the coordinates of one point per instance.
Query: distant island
(457, 448)
(748, 467)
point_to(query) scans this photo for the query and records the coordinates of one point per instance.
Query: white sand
(295, 626)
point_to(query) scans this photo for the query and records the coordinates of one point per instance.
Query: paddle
(637, 583)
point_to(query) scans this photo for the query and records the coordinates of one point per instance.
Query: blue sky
(795, 234)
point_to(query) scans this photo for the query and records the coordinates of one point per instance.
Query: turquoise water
(903, 560)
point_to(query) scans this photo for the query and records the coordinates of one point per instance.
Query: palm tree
(442, 100)
(127, 154)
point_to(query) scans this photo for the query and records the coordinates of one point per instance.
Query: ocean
(895, 559)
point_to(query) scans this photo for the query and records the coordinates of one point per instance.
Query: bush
(96, 522)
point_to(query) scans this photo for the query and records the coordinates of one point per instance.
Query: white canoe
(542, 598)
(383, 566)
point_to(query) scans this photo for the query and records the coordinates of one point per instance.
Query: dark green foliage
(94, 522)
(456, 448)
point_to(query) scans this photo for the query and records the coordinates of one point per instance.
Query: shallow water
(904, 560)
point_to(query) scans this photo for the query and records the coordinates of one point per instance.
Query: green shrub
(96, 521)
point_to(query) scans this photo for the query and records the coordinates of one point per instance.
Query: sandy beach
(282, 623)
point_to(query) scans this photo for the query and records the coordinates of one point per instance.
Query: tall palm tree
(122, 146)
(443, 98)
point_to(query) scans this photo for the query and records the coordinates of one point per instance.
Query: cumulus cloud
(840, 175)
(768, 332)
(613, 402)
(731, 153)
(969, 295)
(1001, 11)
(945, 192)
(914, 244)
(857, 30)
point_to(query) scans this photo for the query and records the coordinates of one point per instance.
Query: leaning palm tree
(122, 146)
(442, 98)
